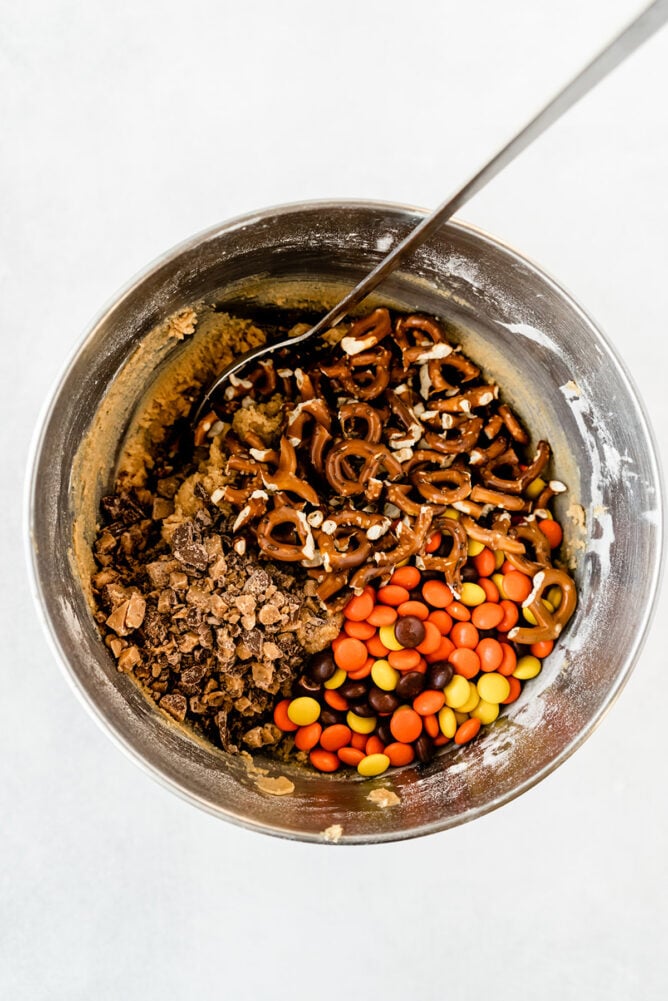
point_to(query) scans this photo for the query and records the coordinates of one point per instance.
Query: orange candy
(441, 620)
(351, 756)
(487, 615)
(459, 611)
(281, 718)
(350, 654)
(359, 630)
(510, 616)
(485, 563)
(433, 543)
(543, 649)
(491, 654)
(377, 648)
(399, 754)
(334, 700)
(405, 725)
(437, 594)
(515, 689)
(364, 671)
(392, 594)
(374, 745)
(467, 730)
(465, 634)
(382, 615)
(517, 586)
(431, 727)
(432, 639)
(324, 761)
(334, 737)
(403, 660)
(552, 531)
(443, 652)
(429, 702)
(308, 736)
(408, 577)
(465, 662)
(359, 607)
(490, 589)
(416, 608)
(358, 741)
(509, 662)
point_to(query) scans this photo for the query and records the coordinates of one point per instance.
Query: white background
(126, 127)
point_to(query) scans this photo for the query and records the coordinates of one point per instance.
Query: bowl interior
(552, 365)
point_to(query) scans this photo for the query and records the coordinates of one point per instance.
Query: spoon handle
(638, 31)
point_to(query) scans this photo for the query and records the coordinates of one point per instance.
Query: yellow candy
(388, 639)
(384, 676)
(493, 687)
(535, 488)
(359, 724)
(486, 712)
(554, 596)
(336, 679)
(447, 722)
(472, 594)
(373, 764)
(527, 667)
(461, 717)
(498, 580)
(457, 692)
(531, 618)
(472, 700)
(303, 711)
(474, 548)
(452, 513)
(499, 558)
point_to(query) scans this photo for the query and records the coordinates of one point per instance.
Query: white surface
(129, 126)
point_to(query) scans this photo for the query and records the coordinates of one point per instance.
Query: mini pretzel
(464, 403)
(494, 539)
(426, 335)
(410, 541)
(315, 409)
(496, 498)
(483, 456)
(428, 485)
(254, 508)
(374, 457)
(515, 429)
(363, 412)
(467, 430)
(452, 564)
(397, 494)
(285, 552)
(373, 371)
(285, 477)
(348, 526)
(541, 546)
(457, 361)
(519, 483)
(549, 624)
(413, 429)
(320, 439)
(367, 332)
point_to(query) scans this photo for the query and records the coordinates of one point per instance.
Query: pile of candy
(415, 668)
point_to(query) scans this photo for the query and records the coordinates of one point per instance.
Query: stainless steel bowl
(561, 375)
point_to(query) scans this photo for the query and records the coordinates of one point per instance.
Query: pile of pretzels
(378, 446)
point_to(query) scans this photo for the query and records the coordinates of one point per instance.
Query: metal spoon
(637, 32)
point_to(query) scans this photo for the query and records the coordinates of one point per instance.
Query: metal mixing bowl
(555, 367)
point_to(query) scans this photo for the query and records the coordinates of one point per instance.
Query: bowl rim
(32, 555)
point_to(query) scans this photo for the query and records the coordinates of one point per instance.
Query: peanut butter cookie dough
(211, 635)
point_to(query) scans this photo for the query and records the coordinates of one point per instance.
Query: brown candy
(409, 631)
